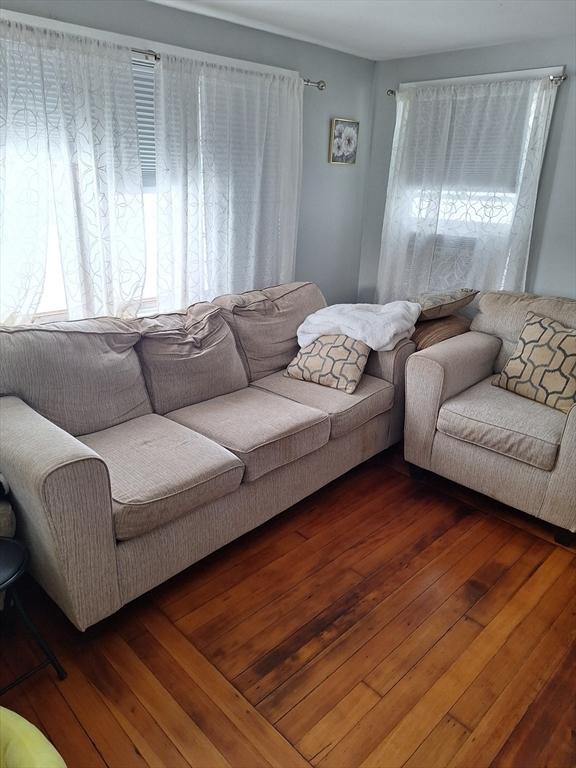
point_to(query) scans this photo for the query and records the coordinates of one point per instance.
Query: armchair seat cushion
(265, 431)
(504, 422)
(160, 470)
(372, 397)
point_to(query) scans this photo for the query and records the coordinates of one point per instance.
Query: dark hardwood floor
(382, 622)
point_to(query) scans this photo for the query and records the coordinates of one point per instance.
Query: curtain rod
(320, 84)
(555, 79)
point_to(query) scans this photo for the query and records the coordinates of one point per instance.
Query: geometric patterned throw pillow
(543, 365)
(336, 361)
(435, 305)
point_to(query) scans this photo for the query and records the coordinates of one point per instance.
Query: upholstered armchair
(508, 447)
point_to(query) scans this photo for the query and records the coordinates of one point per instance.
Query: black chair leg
(42, 644)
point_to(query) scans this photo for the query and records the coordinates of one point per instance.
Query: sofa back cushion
(503, 314)
(82, 375)
(188, 357)
(265, 324)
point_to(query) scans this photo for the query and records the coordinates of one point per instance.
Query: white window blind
(143, 74)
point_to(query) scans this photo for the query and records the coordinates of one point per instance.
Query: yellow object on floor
(22, 745)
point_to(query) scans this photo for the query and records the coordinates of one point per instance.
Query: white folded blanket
(380, 326)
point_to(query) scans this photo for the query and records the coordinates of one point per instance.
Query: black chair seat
(13, 561)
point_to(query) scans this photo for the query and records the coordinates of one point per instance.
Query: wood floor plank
(274, 683)
(399, 745)
(477, 699)
(114, 744)
(396, 664)
(182, 730)
(230, 741)
(212, 619)
(560, 750)
(484, 610)
(61, 725)
(271, 744)
(334, 726)
(528, 744)
(315, 509)
(151, 741)
(351, 659)
(440, 746)
(496, 726)
(338, 617)
(242, 645)
(403, 696)
(205, 588)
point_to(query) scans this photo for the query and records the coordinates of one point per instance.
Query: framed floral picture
(343, 141)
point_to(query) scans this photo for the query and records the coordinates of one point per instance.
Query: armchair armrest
(559, 505)
(61, 492)
(435, 374)
(391, 366)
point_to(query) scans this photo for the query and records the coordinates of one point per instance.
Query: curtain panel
(228, 171)
(70, 170)
(464, 173)
(85, 130)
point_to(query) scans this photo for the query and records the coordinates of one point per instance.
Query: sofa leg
(565, 538)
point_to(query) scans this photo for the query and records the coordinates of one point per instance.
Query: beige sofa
(133, 449)
(486, 438)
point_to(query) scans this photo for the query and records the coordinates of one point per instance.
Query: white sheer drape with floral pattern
(68, 142)
(464, 173)
(229, 154)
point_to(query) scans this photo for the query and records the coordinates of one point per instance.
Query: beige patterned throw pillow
(434, 305)
(333, 361)
(543, 365)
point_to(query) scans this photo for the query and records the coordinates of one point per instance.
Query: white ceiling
(390, 29)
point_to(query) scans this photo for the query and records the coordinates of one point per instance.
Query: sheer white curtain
(68, 152)
(229, 144)
(464, 173)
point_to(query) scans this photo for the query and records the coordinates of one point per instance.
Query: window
(81, 193)
(464, 175)
(52, 306)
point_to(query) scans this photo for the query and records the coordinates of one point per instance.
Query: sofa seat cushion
(262, 429)
(347, 411)
(504, 422)
(160, 470)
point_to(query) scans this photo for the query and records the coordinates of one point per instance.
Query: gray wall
(552, 265)
(332, 196)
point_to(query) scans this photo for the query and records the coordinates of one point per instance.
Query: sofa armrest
(391, 366)
(435, 374)
(559, 505)
(61, 492)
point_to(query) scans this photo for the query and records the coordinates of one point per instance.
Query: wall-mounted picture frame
(343, 142)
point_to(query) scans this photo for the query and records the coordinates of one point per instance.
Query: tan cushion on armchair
(503, 422)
